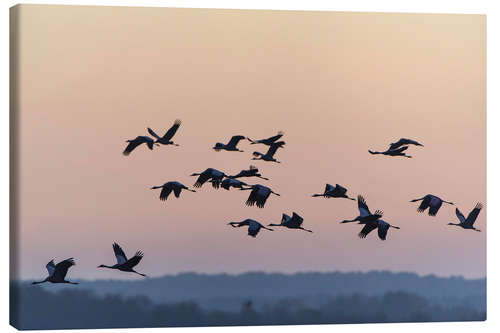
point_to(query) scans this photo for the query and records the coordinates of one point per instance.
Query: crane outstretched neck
(38, 282)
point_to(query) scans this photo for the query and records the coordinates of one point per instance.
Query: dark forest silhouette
(193, 299)
(36, 308)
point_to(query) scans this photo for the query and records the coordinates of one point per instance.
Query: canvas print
(214, 167)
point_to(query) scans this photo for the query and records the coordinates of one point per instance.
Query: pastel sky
(336, 83)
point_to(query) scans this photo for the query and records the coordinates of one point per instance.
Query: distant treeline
(33, 307)
(226, 292)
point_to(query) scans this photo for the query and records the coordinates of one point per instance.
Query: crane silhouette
(468, 223)
(230, 182)
(132, 144)
(253, 226)
(57, 273)
(365, 216)
(294, 222)
(168, 187)
(253, 171)
(336, 191)
(231, 145)
(392, 152)
(404, 142)
(268, 141)
(382, 226)
(208, 174)
(123, 264)
(259, 195)
(167, 138)
(432, 202)
(269, 156)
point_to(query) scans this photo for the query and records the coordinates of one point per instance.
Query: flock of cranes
(259, 194)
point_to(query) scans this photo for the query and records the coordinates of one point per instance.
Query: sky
(336, 83)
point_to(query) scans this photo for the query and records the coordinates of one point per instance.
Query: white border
(490, 8)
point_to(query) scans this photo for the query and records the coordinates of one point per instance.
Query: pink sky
(337, 84)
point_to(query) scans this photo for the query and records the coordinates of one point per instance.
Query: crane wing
(261, 195)
(274, 138)
(153, 133)
(460, 216)
(367, 229)
(272, 149)
(403, 141)
(121, 258)
(177, 191)
(51, 267)
(340, 189)
(252, 198)
(261, 200)
(329, 188)
(132, 262)
(61, 268)
(234, 140)
(474, 214)
(253, 228)
(396, 144)
(171, 132)
(285, 218)
(424, 204)
(165, 192)
(435, 203)
(363, 207)
(383, 227)
(296, 218)
(133, 144)
(204, 176)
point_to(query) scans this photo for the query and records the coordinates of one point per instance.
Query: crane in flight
(168, 187)
(134, 143)
(432, 202)
(468, 223)
(167, 138)
(336, 191)
(269, 156)
(365, 216)
(259, 195)
(253, 226)
(268, 141)
(231, 145)
(293, 222)
(253, 171)
(57, 273)
(207, 175)
(122, 263)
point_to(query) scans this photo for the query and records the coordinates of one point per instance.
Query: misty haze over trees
(192, 299)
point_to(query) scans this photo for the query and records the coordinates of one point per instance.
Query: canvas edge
(13, 160)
